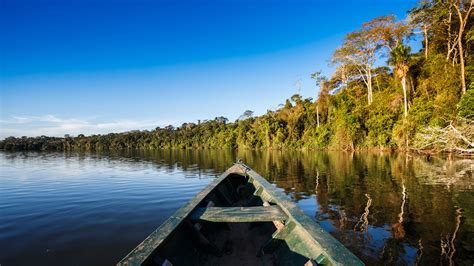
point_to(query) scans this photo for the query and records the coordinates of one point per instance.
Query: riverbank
(376, 150)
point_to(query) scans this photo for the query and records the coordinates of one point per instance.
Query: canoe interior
(226, 243)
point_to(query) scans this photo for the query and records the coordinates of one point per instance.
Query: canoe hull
(240, 219)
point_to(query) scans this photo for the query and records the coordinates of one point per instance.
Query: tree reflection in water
(448, 247)
(363, 223)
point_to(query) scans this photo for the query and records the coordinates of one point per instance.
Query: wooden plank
(239, 214)
(281, 234)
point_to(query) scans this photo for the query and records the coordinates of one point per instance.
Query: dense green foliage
(466, 104)
(359, 106)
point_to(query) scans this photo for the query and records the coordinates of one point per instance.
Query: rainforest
(381, 95)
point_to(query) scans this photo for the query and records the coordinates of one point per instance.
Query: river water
(92, 209)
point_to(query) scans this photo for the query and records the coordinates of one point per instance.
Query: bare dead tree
(457, 138)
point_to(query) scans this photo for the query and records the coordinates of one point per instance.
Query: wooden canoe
(240, 219)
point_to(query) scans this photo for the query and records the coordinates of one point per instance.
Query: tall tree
(322, 103)
(361, 51)
(463, 11)
(421, 18)
(399, 58)
(362, 48)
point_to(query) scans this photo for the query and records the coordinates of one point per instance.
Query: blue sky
(109, 66)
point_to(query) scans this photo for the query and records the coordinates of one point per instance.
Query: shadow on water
(387, 208)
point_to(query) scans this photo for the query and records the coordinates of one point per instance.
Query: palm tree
(400, 60)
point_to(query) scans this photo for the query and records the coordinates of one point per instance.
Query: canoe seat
(239, 214)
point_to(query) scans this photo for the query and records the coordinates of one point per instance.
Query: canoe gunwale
(308, 238)
(311, 233)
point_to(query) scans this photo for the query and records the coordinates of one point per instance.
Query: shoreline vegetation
(380, 96)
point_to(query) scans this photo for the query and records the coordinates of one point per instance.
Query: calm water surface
(92, 209)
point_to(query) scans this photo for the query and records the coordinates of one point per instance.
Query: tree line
(381, 95)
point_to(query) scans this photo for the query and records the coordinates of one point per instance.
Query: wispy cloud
(51, 125)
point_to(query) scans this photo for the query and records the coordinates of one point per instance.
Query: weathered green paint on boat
(286, 237)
